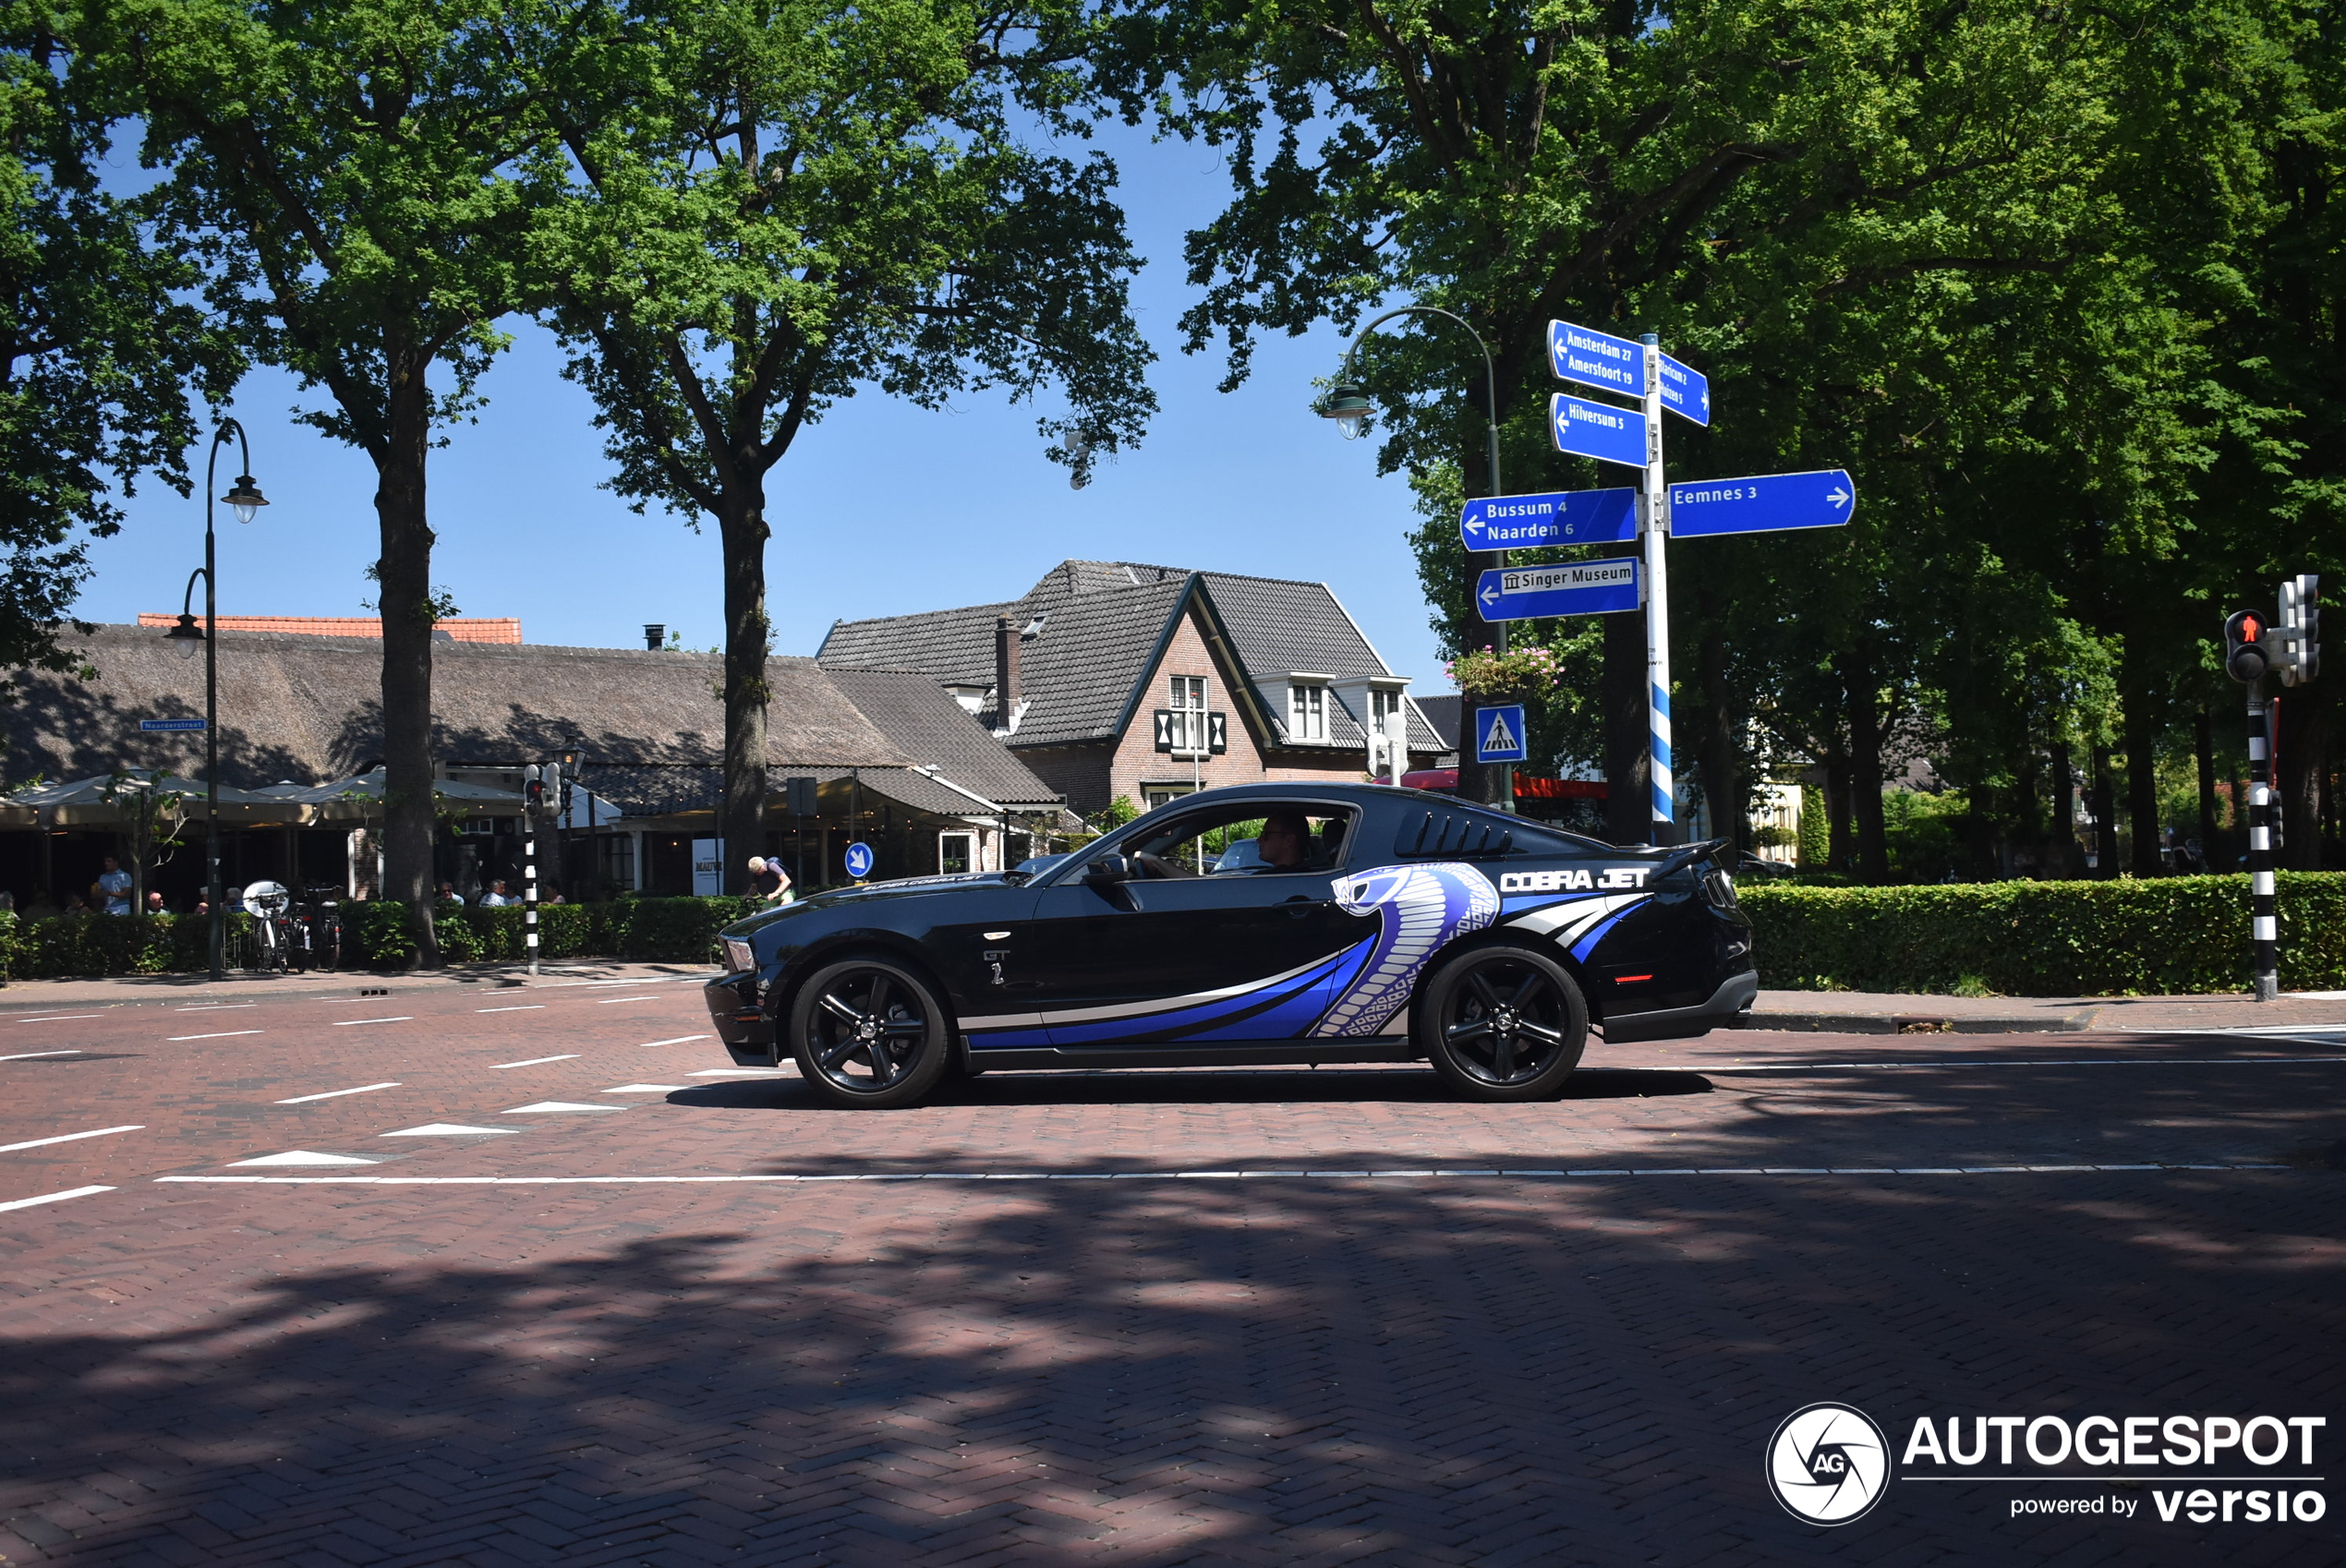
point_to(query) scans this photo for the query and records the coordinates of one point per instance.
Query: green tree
(97, 349)
(345, 170)
(764, 206)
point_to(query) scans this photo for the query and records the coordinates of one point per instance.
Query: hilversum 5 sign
(1561, 517)
(1598, 431)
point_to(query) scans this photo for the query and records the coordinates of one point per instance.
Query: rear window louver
(1454, 835)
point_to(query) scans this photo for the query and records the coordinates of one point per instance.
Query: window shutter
(1217, 733)
(1164, 729)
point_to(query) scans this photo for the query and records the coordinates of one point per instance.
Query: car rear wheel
(870, 1033)
(1504, 1023)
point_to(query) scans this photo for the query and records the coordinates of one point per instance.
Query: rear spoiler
(1679, 859)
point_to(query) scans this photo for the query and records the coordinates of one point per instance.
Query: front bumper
(740, 1018)
(1734, 996)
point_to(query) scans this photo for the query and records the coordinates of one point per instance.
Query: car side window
(1249, 839)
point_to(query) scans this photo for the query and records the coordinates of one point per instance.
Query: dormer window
(1306, 712)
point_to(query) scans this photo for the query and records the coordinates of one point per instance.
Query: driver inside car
(1285, 843)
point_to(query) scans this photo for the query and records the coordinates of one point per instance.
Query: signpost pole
(2263, 921)
(529, 874)
(1657, 604)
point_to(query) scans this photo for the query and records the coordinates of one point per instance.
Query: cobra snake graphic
(1421, 908)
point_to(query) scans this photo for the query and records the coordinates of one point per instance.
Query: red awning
(1528, 786)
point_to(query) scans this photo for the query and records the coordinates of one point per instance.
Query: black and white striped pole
(2254, 643)
(533, 797)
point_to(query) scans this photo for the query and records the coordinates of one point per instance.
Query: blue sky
(881, 509)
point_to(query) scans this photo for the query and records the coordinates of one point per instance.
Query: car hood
(897, 888)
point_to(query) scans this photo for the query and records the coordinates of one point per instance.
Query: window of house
(1383, 705)
(1187, 698)
(956, 851)
(1307, 713)
(619, 863)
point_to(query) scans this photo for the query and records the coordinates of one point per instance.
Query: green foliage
(1114, 815)
(2172, 936)
(1816, 831)
(378, 931)
(66, 945)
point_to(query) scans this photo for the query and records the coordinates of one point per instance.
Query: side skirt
(1282, 1052)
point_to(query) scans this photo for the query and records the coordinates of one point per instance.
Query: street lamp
(246, 499)
(1349, 407)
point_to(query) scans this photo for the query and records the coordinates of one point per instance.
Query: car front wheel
(870, 1033)
(1504, 1023)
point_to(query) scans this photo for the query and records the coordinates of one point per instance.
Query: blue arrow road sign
(1763, 503)
(1498, 733)
(171, 724)
(1563, 517)
(1596, 360)
(859, 861)
(1588, 587)
(1685, 392)
(1598, 431)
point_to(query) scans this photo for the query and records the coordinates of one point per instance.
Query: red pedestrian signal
(2246, 653)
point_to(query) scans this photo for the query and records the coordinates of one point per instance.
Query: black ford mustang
(1269, 922)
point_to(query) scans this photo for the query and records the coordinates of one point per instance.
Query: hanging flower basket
(1519, 675)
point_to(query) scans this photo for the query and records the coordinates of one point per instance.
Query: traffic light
(551, 775)
(798, 797)
(532, 787)
(2301, 652)
(2247, 650)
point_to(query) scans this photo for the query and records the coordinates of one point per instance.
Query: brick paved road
(1165, 1363)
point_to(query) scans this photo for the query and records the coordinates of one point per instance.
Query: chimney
(1006, 641)
(655, 635)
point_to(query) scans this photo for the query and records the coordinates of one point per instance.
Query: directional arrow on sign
(1762, 504)
(1561, 517)
(1685, 392)
(1596, 360)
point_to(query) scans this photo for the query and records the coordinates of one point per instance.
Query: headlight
(738, 955)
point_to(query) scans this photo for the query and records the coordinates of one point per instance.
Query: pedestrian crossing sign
(1498, 733)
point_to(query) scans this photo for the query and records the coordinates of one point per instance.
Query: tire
(1503, 1022)
(870, 1033)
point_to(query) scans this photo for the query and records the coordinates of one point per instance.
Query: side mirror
(1108, 869)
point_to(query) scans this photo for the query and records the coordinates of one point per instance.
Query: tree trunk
(1865, 769)
(2064, 816)
(2105, 818)
(749, 641)
(406, 602)
(1629, 765)
(1721, 786)
(2203, 748)
(2304, 757)
(1837, 852)
(2142, 788)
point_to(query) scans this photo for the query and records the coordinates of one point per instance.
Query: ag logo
(1827, 1464)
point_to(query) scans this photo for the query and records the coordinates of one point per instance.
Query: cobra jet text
(1568, 881)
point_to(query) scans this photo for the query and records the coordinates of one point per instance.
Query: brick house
(1112, 679)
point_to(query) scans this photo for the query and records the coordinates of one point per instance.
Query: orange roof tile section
(462, 629)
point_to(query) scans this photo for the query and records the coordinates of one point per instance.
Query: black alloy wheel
(1504, 1022)
(870, 1033)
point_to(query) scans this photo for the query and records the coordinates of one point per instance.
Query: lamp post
(1349, 406)
(246, 499)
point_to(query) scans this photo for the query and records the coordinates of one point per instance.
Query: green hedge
(377, 933)
(2167, 936)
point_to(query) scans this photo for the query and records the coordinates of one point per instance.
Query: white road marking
(223, 1034)
(2060, 1062)
(648, 1089)
(67, 1137)
(608, 1001)
(304, 1157)
(525, 1008)
(53, 1197)
(346, 1023)
(28, 1055)
(556, 1107)
(336, 1093)
(58, 1018)
(679, 1040)
(534, 1062)
(213, 1007)
(738, 1072)
(1202, 1176)
(449, 1129)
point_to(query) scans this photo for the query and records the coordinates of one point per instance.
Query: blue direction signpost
(1596, 360)
(1530, 593)
(1761, 503)
(1561, 517)
(1598, 431)
(170, 726)
(859, 861)
(1685, 392)
(1498, 733)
